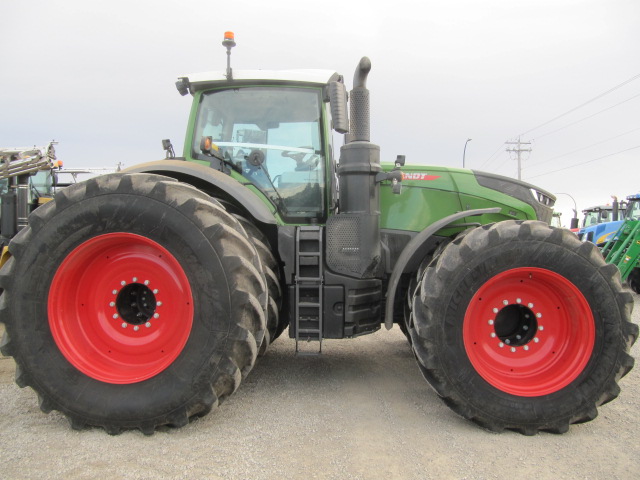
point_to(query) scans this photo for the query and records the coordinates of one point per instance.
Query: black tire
(479, 327)
(634, 280)
(170, 232)
(272, 274)
(414, 283)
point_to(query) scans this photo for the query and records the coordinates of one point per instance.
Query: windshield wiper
(256, 159)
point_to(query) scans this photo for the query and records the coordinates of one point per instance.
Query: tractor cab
(633, 207)
(270, 131)
(274, 137)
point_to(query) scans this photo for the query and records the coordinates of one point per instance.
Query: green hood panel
(430, 193)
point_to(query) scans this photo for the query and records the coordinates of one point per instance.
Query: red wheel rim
(120, 308)
(529, 332)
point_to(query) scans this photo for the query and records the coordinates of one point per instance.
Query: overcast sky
(98, 76)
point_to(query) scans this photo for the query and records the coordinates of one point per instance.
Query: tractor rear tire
(272, 276)
(132, 301)
(519, 325)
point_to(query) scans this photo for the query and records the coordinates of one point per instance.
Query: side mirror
(168, 147)
(338, 102)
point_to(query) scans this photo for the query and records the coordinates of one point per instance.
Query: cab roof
(201, 81)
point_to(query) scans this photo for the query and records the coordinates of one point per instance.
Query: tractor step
(308, 289)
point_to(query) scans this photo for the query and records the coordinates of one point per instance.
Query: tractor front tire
(519, 325)
(132, 301)
(634, 280)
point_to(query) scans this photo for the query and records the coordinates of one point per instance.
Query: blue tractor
(602, 221)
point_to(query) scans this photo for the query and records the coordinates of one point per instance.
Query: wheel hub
(136, 304)
(516, 325)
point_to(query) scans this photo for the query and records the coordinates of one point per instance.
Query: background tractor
(601, 221)
(143, 298)
(623, 247)
(29, 177)
(26, 181)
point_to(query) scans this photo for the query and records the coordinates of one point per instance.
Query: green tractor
(143, 298)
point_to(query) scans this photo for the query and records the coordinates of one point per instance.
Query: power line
(584, 163)
(588, 117)
(503, 163)
(583, 104)
(493, 155)
(585, 148)
(488, 160)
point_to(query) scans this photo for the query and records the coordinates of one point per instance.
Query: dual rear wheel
(133, 301)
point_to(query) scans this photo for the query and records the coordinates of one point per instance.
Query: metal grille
(359, 126)
(349, 245)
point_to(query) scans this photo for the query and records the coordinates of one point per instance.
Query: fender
(413, 252)
(186, 171)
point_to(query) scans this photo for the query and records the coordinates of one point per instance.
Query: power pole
(518, 150)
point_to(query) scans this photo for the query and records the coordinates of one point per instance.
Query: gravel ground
(360, 411)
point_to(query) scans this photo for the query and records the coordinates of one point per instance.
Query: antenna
(229, 42)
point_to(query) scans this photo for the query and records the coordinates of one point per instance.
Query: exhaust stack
(359, 104)
(353, 235)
